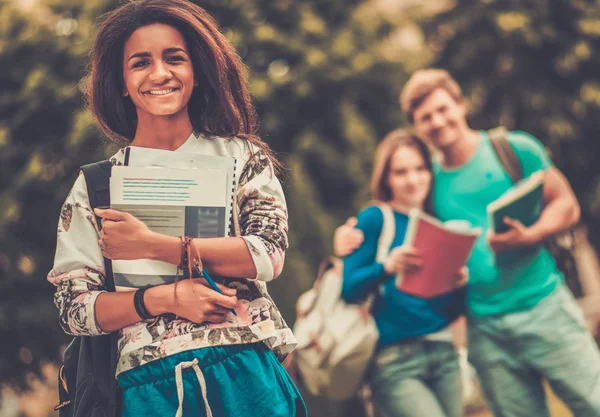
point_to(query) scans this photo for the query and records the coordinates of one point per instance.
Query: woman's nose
(412, 178)
(160, 73)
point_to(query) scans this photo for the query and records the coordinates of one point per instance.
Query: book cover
(443, 250)
(149, 157)
(522, 202)
(172, 202)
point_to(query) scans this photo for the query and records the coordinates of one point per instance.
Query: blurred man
(523, 324)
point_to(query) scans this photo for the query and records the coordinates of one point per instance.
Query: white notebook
(185, 200)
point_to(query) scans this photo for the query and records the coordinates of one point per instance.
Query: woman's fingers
(110, 214)
(224, 300)
(219, 309)
(215, 317)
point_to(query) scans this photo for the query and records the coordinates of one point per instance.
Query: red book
(444, 251)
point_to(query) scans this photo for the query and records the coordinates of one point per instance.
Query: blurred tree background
(326, 76)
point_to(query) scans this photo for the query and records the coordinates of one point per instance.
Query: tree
(44, 136)
(532, 66)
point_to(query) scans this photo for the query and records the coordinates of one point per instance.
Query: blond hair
(397, 138)
(424, 82)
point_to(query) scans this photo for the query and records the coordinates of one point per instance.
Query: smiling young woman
(161, 75)
(414, 371)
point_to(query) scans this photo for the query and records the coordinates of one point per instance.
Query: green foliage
(44, 136)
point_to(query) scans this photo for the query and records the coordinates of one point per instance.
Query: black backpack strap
(506, 154)
(97, 178)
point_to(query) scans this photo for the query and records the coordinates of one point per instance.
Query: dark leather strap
(506, 154)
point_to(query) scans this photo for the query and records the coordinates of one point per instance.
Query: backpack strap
(506, 154)
(388, 232)
(97, 178)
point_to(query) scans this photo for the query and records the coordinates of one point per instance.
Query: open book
(523, 202)
(443, 250)
(170, 201)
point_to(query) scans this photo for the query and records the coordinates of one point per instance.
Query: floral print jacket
(79, 276)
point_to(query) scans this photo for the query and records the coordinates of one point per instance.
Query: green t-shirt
(464, 193)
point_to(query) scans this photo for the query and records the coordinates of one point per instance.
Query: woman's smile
(161, 92)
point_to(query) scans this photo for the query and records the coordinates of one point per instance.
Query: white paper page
(148, 157)
(167, 186)
(160, 198)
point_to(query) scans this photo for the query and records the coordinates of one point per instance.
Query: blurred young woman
(415, 372)
(162, 76)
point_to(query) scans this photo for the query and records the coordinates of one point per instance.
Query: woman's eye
(139, 64)
(175, 58)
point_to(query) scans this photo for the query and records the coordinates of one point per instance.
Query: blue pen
(212, 284)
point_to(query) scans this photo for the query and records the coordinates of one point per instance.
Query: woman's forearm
(227, 256)
(224, 256)
(115, 310)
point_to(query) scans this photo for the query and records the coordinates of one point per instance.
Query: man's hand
(518, 236)
(347, 238)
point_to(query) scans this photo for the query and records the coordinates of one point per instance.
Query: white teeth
(161, 92)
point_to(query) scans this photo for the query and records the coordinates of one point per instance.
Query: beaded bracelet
(184, 260)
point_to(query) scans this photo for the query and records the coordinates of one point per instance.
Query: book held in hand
(170, 201)
(522, 202)
(444, 250)
(149, 157)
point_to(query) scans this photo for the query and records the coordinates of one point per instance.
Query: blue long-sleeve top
(398, 315)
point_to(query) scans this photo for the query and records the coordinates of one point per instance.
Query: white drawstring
(179, 382)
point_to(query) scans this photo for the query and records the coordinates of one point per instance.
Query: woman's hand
(194, 300)
(462, 277)
(402, 260)
(347, 238)
(123, 235)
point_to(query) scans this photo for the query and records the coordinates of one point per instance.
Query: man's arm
(561, 211)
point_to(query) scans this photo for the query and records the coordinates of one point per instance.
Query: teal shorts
(239, 381)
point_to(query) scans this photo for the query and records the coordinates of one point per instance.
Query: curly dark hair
(221, 105)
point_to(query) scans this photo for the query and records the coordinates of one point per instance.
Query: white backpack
(336, 340)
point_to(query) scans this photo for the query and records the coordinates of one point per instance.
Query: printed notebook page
(148, 157)
(169, 201)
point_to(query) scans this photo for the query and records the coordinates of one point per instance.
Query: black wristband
(138, 303)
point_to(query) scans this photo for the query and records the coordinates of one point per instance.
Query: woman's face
(158, 72)
(408, 178)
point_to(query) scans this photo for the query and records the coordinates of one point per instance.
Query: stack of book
(175, 194)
